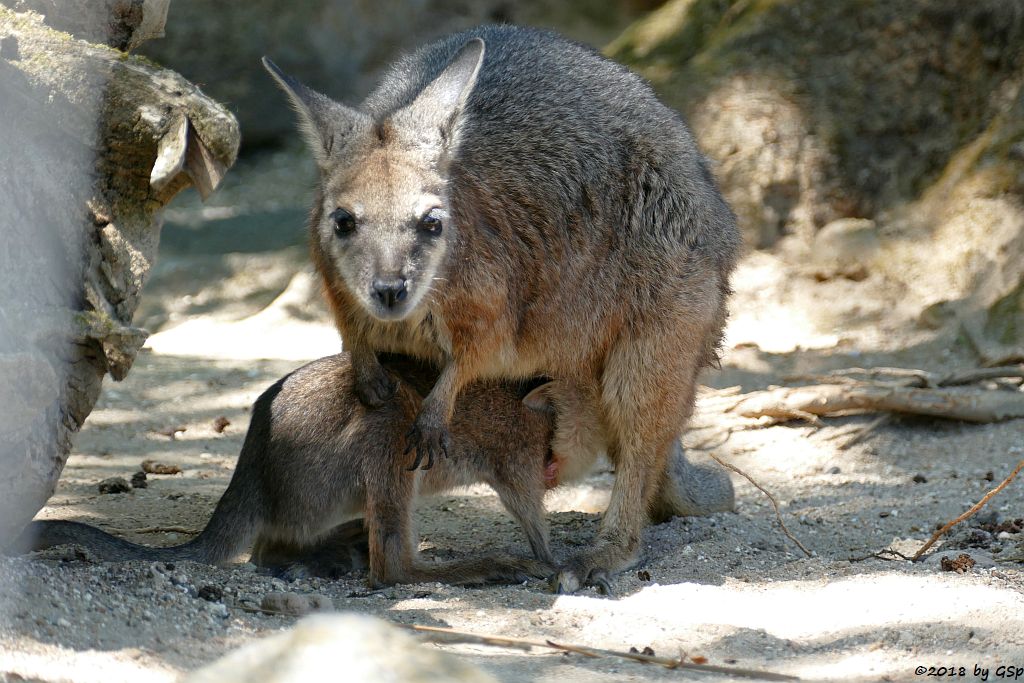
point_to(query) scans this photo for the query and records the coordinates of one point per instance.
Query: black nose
(390, 290)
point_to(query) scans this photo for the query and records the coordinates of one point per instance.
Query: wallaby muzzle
(390, 290)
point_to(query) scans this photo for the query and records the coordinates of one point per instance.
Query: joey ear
(323, 122)
(539, 400)
(438, 105)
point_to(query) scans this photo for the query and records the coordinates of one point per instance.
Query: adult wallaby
(314, 458)
(507, 203)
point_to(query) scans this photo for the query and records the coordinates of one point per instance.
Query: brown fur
(585, 240)
(319, 487)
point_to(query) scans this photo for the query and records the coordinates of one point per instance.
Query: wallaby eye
(344, 222)
(431, 223)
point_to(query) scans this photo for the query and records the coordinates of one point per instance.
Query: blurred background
(873, 151)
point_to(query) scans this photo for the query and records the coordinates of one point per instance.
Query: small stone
(217, 609)
(920, 479)
(833, 470)
(220, 424)
(154, 467)
(883, 514)
(63, 623)
(139, 480)
(114, 485)
(294, 604)
(211, 593)
(960, 565)
(9, 48)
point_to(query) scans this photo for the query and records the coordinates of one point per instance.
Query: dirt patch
(729, 588)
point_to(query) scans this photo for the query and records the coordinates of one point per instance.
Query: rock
(139, 480)
(211, 593)
(154, 467)
(295, 604)
(80, 125)
(121, 24)
(871, 118)
(114, 485)
(355, 648)
(845, 248)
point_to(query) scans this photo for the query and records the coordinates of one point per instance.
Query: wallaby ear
(438, 105)
(324, 123)
(539, 400)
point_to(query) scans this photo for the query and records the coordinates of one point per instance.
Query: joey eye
(431, 223)
(344, 222)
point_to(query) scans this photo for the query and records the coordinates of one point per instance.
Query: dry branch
(969, 404)
(449, 636)
(970, 513)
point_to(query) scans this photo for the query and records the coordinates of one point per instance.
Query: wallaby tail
(488, 569)
(692, 489)
(231, 530)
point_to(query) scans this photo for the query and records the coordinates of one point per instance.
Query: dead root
(775, 504)
(894, 391)
(448, 636)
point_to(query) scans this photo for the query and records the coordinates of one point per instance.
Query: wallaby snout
(391, 290)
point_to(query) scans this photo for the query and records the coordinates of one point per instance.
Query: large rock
(910, 114)
(93, 144)
(339, 647)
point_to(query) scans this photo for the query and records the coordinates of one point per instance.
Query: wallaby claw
(602, 583)
(567, 582)
(428, 442)
(412, 440)
(296, 571)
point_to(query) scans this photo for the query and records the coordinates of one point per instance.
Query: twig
(977, 506)
(711, 442)
(775, 504)
(908, 376)
(446, 635)
(862, 433)
(888, 554)
(165, 530)
(968, 404)
(708, 392)
(974, 375)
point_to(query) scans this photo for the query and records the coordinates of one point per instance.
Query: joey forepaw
(375, 386)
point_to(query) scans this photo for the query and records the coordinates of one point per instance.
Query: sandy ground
(235, 307)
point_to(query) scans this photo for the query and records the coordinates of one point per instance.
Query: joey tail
(231, 530)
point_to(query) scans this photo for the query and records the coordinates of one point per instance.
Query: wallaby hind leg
(344, 549)
(394, 558)
(691, 489)
(521, 491)
(647, 396)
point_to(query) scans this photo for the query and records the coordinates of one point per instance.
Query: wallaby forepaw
(429, 441)
(569, 581)
(295, 571)
(375, 388)
(565, 583)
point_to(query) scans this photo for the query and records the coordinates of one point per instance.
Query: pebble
(114, 485)
(295, 604)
